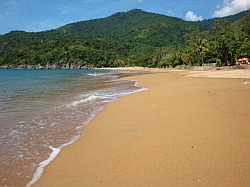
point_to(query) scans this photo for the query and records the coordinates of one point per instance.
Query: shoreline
(183, 131)
(56, 150)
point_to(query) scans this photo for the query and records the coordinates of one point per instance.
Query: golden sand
(183, 131)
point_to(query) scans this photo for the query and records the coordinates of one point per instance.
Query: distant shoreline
(53, 66)
(207, 67)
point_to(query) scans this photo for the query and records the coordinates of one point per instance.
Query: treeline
(223, 44)
(90, 52)
(134, 38)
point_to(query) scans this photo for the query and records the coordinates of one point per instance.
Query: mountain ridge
(132, 25)
(230, 18)
(206, 23)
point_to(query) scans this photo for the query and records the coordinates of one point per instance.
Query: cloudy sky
(40, 15)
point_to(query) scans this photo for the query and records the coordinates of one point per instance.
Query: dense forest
(134, 38)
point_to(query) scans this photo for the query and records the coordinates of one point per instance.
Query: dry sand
(245, 73)
(183, 131)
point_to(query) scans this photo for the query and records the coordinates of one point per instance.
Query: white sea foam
(40, 169)
(89, 98)
(53, 155)
(110, 75)
(93, 74)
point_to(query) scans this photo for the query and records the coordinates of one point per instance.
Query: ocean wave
(106, 95)
(55, 151)
(93, 74)
(88, 99)
(104, 75)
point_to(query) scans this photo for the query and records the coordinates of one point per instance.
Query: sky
(41, 15)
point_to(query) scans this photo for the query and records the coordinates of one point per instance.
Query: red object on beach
(245, 59)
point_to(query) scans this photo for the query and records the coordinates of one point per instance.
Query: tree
(243, 49)
(223, 42)
(246, 24)
(188, 57)
(200, 48)
(197, 48)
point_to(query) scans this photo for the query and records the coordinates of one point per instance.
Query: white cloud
(231, 7)
(170, 12)
(192, 17)
(65, 10)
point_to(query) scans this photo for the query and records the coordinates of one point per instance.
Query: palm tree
(201, 48)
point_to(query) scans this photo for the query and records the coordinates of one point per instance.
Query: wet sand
(183, 131)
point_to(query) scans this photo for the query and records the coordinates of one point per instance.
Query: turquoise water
(42, 111)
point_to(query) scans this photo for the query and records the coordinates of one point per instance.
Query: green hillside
(124, 39)
(208, 23)
(133, 26)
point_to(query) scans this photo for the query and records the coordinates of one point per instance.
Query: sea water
(42, 111)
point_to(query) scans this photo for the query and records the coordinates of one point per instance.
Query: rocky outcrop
(59, 65)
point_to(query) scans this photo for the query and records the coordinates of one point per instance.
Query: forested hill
(134, 26)
(128, 38)
(208, 23)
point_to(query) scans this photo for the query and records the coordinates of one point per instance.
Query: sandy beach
(183, 131)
